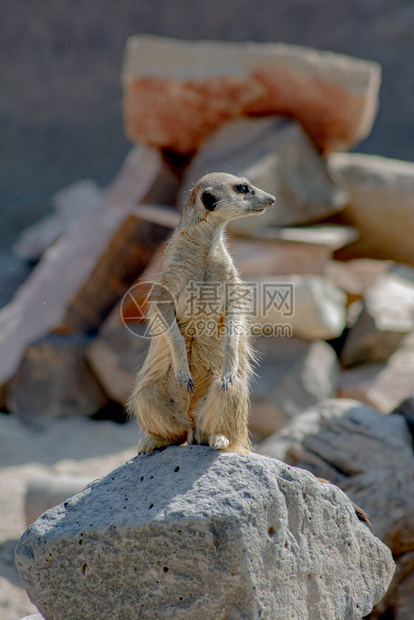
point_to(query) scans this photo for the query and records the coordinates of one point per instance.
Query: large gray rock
(276, 155)
(194, 533)
(357, 383)
(387, 316)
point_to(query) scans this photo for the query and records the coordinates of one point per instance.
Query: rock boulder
(192, 533)
(202, 84)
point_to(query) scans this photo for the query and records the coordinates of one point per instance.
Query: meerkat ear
(208, 200)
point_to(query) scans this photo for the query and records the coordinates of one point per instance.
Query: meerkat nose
(272, 200)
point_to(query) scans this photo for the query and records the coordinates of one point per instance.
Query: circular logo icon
(146, 309)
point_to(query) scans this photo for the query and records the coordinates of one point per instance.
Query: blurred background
(86, 210)
(61, 92)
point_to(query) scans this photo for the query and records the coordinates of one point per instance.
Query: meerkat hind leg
(218, 442)
(221, 417)
(149, 443)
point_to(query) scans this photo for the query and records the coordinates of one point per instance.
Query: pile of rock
(275, 114)
(272, 113)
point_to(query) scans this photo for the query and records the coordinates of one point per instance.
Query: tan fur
(218, 365)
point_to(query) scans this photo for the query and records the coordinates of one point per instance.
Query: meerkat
(194, 384)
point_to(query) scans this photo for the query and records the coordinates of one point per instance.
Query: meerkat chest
(202, 300)
(202, 273)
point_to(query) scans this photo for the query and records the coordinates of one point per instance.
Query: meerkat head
(221, 197)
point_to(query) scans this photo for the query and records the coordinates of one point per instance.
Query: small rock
(70, 204)
(189, 532)
(177, 93)
(381, 206)
(406, 409)
(308, 307)
(254, 256)
(54, 381)
(329, 235)
(355, 276)
(356, 383)
(13, 272)
(403, 602)
(387, 316)
(276, 155)
(115, 359)
(385, 385)
(292, 375)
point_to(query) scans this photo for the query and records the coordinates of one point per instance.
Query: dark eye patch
(242, 189)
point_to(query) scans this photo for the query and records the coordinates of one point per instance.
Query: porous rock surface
(191, 533)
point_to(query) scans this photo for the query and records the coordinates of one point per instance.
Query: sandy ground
(68, 447)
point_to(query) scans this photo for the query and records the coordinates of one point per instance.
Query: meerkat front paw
(185, 379)
(227, 380)
(218, 442)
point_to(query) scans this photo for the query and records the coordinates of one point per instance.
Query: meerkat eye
(242, 189)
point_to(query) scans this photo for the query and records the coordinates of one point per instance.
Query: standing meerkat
(194, 383)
